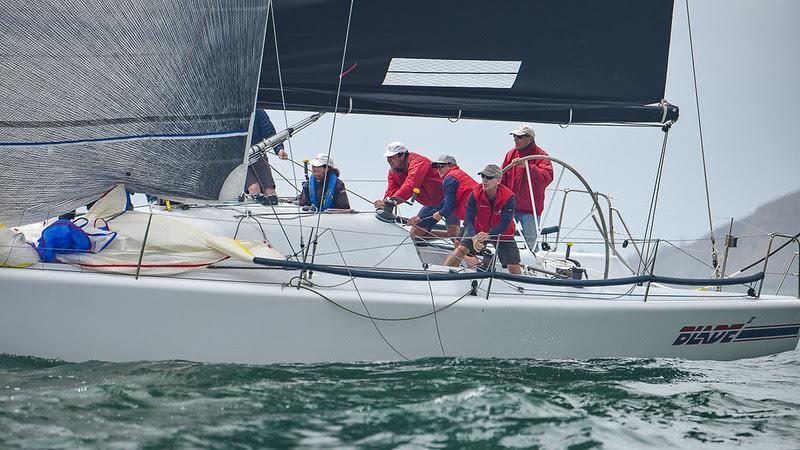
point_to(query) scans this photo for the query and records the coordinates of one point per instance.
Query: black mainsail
(554, 61)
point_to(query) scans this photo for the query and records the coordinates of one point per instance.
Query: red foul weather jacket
(487, 217)
(465, 187)
(418, 174)
(516, 179)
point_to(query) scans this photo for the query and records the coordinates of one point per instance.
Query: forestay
(544, 61)
(157, 95)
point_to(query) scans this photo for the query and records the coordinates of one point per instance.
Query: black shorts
(260, 172)
(507, 250)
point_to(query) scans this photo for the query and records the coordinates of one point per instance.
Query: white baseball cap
(395, 148)
(524, 129)
(321, 160)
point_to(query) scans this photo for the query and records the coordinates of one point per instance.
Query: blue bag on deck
(62, 237)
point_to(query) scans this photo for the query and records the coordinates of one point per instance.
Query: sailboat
(160, 98)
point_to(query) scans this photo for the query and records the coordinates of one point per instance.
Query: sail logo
(708, 334)
(737, 332)
(452, 73)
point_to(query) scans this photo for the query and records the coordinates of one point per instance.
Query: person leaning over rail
(516, 179)
(259, 173)
(324, 173)
(407, 171)
(456, 185)
(489, 217)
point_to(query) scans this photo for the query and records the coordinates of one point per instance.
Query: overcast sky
(747, 67)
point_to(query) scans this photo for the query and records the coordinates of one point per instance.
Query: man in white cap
(324, 190)
(516, 179)
(489, 218)
(457, 185)
(407, 171)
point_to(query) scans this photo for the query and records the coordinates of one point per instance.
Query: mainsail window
(464, 73)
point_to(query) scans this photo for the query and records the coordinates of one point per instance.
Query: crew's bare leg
(425, 234)
(455, 259)
(254, 188)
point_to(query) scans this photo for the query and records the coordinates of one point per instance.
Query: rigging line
(341, 254)
(397, 247)
(781, 247)
(614, 124)
(689, 255)
(523, 289)
(263, 233)
(363, 303)
(349, 181)
(280, 224)
(766, 232)
(714, 256)
(377, 247)
(374, 266)
(536, 223)
(553, 197)
(364, 110)
(635, 296)
(268, 216)
(359, 195)
(285, 116)
(252, 120)
(572, 230)
(651, 213)
(435, 319)
(385, 319)
(368, 316)
(238, 224)
(291, 183)
(336, 107)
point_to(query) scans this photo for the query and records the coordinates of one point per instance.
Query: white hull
(77, 315)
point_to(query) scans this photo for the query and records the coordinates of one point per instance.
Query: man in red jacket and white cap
(407, 171)
(516, 179)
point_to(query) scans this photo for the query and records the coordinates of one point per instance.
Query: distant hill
(781, 215)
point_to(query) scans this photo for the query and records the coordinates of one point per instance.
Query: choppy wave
(431, 403)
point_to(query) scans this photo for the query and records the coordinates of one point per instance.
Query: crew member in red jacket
(516, 179)
(489, 217)
(457, 186)
(409, 170)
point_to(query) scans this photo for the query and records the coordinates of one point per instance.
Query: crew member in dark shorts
(259, 174)
(457, 186)
(489, 218)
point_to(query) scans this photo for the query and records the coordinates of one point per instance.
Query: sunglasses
(486, 177)
(519, 137)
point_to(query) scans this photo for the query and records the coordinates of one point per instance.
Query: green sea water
(430, 403)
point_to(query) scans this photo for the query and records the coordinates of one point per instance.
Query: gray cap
(492, 170)
(445, 159)
(524, 130)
